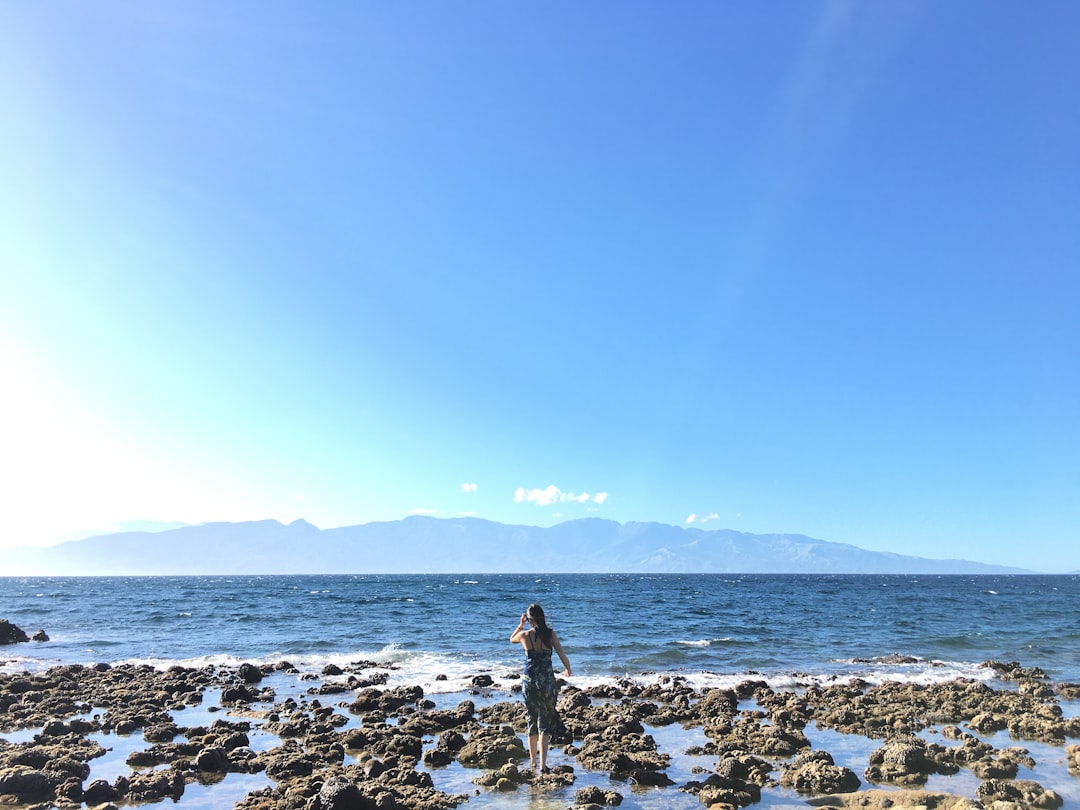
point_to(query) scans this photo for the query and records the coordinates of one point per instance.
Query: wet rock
(629, 756)
(504, 713)
(153, 756)
(1072, 758)
(434, 722)
(506, 778)
(35, 771)
(212, 760)
(894, 799)
(164, 732)
(1043, 727)
(744, 767)
(892, 659)
(718, 703)
(11, 634)
(390, 745)
(1035, 689)
(338, 793)
(244, 760)
(649, 777)
(40, 636)
(987, 723)
(386, 702)
(446, 748)
(819, 778)
(355, 739)
(595, 796)
(981, 758)
(287, 761)
(153, 786)
(25, 784)
(99, 792)
(1012, 671)
(371, 766)
(249, 673)
(721, 791)
(1022, 793)
(901, 761)
(1068, 691)
(749, 732)
(491, 747)
(69, 791)
(237, 694)
(748, 687)
(436, 758)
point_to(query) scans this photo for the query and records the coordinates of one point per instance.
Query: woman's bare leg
(532, 751)
(545, 740)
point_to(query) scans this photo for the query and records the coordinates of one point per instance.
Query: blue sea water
(440, 631)
(611, 624)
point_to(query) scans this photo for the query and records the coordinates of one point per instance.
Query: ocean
(439, 631)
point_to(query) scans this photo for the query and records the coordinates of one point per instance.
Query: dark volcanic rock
(491, 747)
(11, 634)
(888, 799)
(902, 761)
(249, 673)
(338, 793)
(506, 778)
(99, 792)
(153, 786)
(816, 773)
(1072, 754)
(596, 796)
(720, 791)
(1021, 792)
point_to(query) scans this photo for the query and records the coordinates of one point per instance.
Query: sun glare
(64, 478)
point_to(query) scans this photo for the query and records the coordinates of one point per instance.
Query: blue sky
(797, 267)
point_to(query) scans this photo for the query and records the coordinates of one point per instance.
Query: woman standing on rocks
(539, 685)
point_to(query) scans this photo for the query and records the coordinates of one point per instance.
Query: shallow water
(851, 751)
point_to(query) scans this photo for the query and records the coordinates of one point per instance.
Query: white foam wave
(436, 673)
(441, 673)
(17, 664)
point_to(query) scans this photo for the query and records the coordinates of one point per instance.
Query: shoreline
(290, 739)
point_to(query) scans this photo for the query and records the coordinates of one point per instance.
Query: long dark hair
(539, 623)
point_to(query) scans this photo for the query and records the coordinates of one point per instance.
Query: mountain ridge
(424, 544)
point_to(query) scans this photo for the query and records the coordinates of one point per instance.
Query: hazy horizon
(427, 544)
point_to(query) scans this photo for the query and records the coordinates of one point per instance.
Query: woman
(539, 681)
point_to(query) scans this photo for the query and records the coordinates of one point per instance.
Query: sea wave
(705, 642)
(445, 674)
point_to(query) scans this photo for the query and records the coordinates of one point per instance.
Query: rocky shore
(346, 741)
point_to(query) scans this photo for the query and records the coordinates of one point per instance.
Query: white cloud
(468, 487)
(541, 497)
(552, 494)
(694, 518)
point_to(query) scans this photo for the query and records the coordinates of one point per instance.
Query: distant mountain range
(463, 545)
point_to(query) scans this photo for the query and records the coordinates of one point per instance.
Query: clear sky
(786, 267)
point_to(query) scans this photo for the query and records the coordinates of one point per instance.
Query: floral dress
(540, 691)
